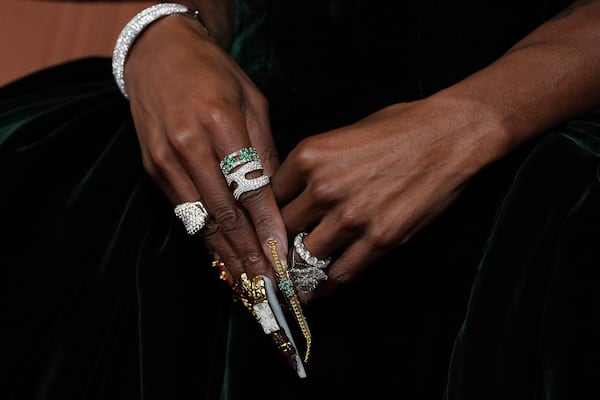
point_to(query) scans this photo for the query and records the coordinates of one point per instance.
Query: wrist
(137, 25)
(478, 134)
(218, 17)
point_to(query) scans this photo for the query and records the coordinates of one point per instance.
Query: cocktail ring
(193, 214)
(307, 273)
(305, 277)
(244, 184)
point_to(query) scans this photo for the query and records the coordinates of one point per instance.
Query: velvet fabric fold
(532, 324)
(104, 295)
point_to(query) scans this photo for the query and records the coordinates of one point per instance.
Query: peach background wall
(38, 33)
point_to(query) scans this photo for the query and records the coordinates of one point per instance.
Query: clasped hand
(358, 191)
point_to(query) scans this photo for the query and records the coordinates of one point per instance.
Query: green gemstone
(286, 287)
(246, 154)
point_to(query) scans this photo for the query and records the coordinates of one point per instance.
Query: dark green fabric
(533, 321)
(103, 295)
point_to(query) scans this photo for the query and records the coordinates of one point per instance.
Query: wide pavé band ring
(235, 166)
(193, 214)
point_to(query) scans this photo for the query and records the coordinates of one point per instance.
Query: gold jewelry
(287, 288)
(224, 275)
(258, 296)
(253, 295)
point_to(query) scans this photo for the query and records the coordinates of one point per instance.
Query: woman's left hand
(363, 189)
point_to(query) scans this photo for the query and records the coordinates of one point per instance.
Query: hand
(192, 105)
(363, 189)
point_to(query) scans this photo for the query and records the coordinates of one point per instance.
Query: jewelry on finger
(235, 166)
(237, 158)
(306, 256)
(305, 277)
(244, 184)
(254, 295)
(307, 273)
(285, 285)
(193, 214)
(224, 275)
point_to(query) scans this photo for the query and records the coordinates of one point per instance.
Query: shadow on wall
(38, 33)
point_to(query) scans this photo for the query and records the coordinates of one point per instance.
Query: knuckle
(323, 192)
(350, 220)
(271, 154)
(182, 140)
(337, 279)
(376, 238)
(259, 101)
(228, 218)
(151, 168)
(253, 261)
(254, 199)
(304, 155)
(211, 229)
(215, 117)
(264, 222)
(158, 156)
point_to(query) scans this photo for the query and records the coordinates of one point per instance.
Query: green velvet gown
(104, 296)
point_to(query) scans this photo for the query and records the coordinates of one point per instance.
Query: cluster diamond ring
(193, 214)
(307, 272)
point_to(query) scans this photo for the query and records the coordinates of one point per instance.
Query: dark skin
(439, 143)
(185, 126)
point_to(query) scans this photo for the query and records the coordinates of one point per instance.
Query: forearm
(549, 76)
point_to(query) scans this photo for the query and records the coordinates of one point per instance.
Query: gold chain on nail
(287, 287)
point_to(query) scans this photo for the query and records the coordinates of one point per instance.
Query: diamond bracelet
(135, 26)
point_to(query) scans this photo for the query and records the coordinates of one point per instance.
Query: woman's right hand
(192, 105)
